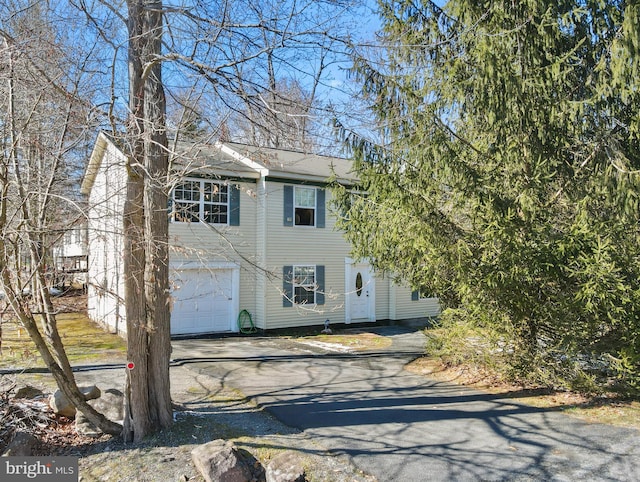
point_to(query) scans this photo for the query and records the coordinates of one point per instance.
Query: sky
(101, 36)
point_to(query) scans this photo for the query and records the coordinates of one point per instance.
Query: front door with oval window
(360, 293)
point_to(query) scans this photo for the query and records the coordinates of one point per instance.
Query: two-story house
(250, 229)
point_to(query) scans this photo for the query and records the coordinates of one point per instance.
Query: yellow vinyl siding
(302, 245)
(382, 298)
(261, 246)
(204, 243)
(406, 308)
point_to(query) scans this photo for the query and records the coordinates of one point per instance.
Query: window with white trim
(304, 206)
(420, 294)
(200, 200)
(304, 285)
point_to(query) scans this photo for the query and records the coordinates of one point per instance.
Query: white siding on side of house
(105, 242)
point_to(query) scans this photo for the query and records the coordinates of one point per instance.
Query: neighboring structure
(249, 230)
(70, 258)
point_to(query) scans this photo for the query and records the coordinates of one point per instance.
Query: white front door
(360, 292)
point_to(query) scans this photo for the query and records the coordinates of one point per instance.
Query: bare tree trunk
(157, 225)
(272, 113)
(137, 421)
(145, 227)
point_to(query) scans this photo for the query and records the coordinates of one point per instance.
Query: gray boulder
(91, 392)
(86, 428)
(21, 445)
(28, 392)
(286, 467)
(110, 404)
(220, 461)
(61, 405)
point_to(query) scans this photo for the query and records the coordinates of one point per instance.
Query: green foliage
(508, 179)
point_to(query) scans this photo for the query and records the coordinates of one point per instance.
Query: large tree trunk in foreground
(145, 226)
(157, 227)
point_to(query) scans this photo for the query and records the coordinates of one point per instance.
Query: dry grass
(356, 341)
(608, 409)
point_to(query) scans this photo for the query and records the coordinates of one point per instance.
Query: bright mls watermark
(52, 469)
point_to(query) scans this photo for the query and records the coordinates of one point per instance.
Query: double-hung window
(303, 285)
(304, 206)
(202, 200)
(420, 294)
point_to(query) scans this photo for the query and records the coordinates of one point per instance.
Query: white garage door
(202, 301)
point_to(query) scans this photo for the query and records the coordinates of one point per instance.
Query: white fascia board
(288, 176)
(95, 160)
(198, 173)
(264, 172)
(236, 174)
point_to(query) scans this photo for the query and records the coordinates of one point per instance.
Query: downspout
(262, 247)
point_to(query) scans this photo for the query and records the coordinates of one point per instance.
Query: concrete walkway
(403, 427)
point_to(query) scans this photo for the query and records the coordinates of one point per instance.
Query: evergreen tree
(507, 180)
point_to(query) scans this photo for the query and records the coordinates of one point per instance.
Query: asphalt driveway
(403, 427)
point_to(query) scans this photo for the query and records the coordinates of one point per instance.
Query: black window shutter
(320, 208)
(287, 286)
(320, 285)
(234, 205)
(288, 205)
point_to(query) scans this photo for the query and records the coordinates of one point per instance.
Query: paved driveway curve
(403, 427)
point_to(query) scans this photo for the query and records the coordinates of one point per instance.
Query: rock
(28, 392)
(90, 393)
(286, 467)
(21, 445)
(110, 404)
(61, 405)
(220, 461)
(86, 428)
